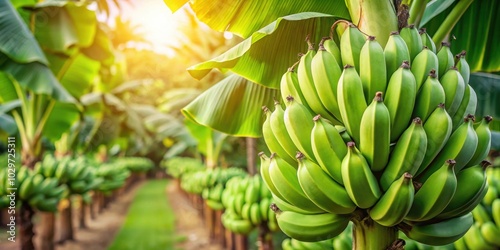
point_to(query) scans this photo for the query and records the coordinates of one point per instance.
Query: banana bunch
(135, 164)
(246, 201)
(111, 175)
(485, 232)
(76, 173)
(177, 166)
(215, 183)
(40, 192)
(191, 182)
(383, 133)
(341, 242)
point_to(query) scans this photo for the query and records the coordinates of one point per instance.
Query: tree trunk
(47, 225)
(66, 222)
(26, 233)
(83, 213)
(251, 154)
(265, 239)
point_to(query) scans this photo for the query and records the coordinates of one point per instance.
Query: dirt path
(101, 231)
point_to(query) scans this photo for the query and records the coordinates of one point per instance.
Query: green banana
(289, 86)
(454, 89)
(328, 148)
(471, 183)
(423, 63)
(475, 240)
(483, 141)
(430, 95)
(490, 196)
(372, 70)
(375, 134)
(307, 85)
(445, 58)
(407, 155)
(412, 39)
(278, 128)
(460, 146)
(395, 203)
(427, 40)
(360, 183)
(321, 189)
(351, 101)
(326, 73)
(438, 128)
(467, 106)
(481, 215)
(351, 42)
(435, 194)
(333, 48)
(490, 233)
(264, 172)
(463, 66)
(286, 206)
(441, 232)
(284, 178)
(495, 211)
(395, 53)
(311, 227)
(400, 99)
(299, 124)
(272, 141)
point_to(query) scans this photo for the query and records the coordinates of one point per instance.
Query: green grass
(150, 221)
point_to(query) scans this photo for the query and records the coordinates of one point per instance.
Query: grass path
(150, 221)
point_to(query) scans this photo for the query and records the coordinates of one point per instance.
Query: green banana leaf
(245, 17)
(8, 106)
(60, 120)
(232, 106)
(487, 87)
(265, 56)
(101, 48)
(7, 124)
(60, 25)
(434, 8)
(16, 41)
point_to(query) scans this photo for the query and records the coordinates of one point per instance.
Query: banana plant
(275, 35)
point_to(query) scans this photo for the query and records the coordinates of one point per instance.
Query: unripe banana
(463, 66)
(461, 147)
(407, 155)
(359, 181)
(306, 83)
(289, 86)
(441, 232)
(372, 69)
(490, 233)
(351, 42)
(438, 129)
(483, 141)
(400, 99)
(311, 227)
(475, 240)
(427, 40)
(280, 132)
(395, 52)
(495, 211)
(286, 206)
(351, 100)
(395, 203)
(445, 58)
(375, 134)
(321, 189)
(333, 48)
(284, 178)
(454, 89)
(264, 172)
(435, 194)
(413, 40)
(423, 63)
(328, 148)
(467, 106)
(326, 73)
(271, 140)
(430, 95)
(299, 124)
(470, 185)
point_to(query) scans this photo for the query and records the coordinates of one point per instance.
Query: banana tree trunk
(66, 222)
(47, 225)
(367, 234)
(251, 153)
(83, 215)
(26, 233)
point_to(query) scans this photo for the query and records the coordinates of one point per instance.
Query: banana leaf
(232, 106)
(101, 48)
(60, 120)
(7, 124)
(245, 17)
(269, 52)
